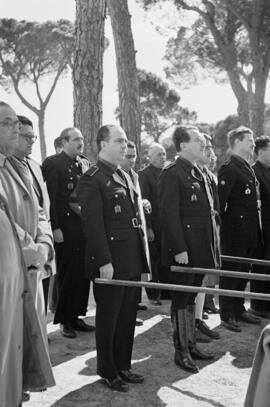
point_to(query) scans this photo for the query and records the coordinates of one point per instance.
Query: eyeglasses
(29, 138)
(10, 124)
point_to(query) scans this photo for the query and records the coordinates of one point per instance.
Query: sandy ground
(220, 383)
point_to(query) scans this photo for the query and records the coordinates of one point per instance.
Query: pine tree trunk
(88, 71)
(128, 88)
(42, 142)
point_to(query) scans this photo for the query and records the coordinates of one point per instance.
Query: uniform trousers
(73, 287)
(180, 299)
(116, 310)
(258, 286)
(231, 307)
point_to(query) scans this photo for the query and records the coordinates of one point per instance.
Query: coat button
(116, 196)
(68, 213)
(112, 238)
(92, 258)
(188, 226)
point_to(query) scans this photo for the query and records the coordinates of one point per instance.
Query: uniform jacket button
(68, 213)
(188, 226)
(112, 238)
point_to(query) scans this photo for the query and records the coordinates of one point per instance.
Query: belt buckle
(135, 223)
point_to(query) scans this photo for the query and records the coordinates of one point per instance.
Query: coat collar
(189, 168)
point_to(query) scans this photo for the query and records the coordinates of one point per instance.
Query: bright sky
(212, 102)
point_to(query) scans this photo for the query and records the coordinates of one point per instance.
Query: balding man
(61, 173)
(148, 178)
(115, 250)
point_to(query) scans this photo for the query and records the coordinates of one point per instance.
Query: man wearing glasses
(29, 170)
(34, 233)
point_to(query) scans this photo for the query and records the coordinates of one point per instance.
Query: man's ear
(103, 144)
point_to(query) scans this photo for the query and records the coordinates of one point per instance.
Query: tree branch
(23, 99)
(59, 72)
(238, 15)
(185, 6)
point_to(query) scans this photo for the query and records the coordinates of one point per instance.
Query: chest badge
(194, 198)
(117, 209)
(247, 191)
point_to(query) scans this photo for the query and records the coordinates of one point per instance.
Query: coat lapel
(15, 175)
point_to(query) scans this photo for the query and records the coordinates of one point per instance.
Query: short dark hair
(238, 134)
(25, 121)
(64, 135)
(261, 143)
(181, 135)
(103, 134)
(58, 142)
(131, 144)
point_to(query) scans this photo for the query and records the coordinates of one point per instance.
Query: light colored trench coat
(24, 360)
(32, 227)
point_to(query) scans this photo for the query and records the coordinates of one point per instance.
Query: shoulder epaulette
(92, 170)
(169, 166)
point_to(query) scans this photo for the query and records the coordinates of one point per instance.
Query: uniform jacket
(185, 215)
(61, 174)
(31, 223)
(24, 361)
(110, 217)
(238, 196)
(148, 178)
(263, 176)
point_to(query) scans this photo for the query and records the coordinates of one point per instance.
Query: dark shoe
(200, 337)
(26, 396)
(206, 330)
(209, 305)
(183, 360)
(139, 322)
(249, 318)
(205, 315)
(231, 325)
(141, 307)
(198, 354)
(261, 314)
(211, 310)
(80, 325)
(67, 331)
(130, 377)
(116, 384)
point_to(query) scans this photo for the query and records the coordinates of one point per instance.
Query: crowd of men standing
(105, 220)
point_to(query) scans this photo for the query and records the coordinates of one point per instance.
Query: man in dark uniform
(240, 213)
(114, 250)
(61, 174)
(148, 178)
(187, 237)
(262, 171)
